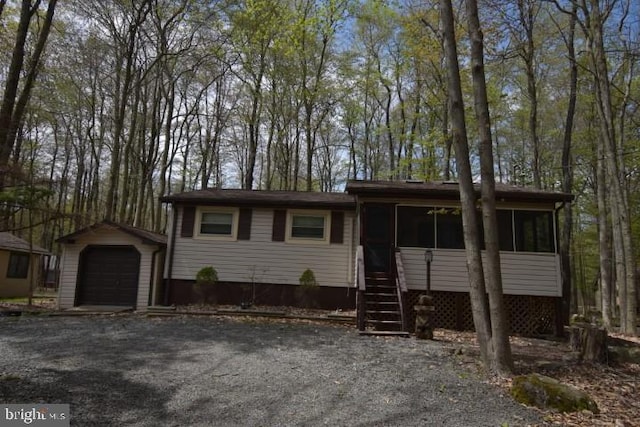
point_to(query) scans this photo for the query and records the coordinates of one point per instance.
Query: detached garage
(110, 264)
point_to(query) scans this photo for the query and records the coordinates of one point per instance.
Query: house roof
(449, 190)
(147, 236)
(9, 242)
(264, 198)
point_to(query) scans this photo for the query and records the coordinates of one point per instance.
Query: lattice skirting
(528, 315)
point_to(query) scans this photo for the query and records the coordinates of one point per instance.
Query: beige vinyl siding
(523, 273)
(102, 236)
(262, 260)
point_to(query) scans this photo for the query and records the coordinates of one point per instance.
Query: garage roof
(147, 236)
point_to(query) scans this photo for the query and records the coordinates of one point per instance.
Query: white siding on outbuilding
(262, 260)
(523, 273)
(102, 236)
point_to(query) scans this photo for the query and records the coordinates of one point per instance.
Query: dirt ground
(614, 387)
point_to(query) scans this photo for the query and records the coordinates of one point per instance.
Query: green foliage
(308, 279)
(207, 276)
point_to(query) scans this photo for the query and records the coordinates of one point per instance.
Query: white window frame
(313, 240)
(234, 223)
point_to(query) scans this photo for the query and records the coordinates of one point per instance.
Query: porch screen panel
(505, 229)
(416, 227)
(534, 231)
(449, 229)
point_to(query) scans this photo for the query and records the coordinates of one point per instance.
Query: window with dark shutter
(188, 220)
(337, 227)
(244, 224)
(279, 225)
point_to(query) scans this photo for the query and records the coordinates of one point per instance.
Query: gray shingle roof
(446, 189)
(9, 242)
(264, 198)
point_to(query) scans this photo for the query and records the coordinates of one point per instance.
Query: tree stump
(589, 341)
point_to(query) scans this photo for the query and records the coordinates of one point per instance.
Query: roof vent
(414, 181)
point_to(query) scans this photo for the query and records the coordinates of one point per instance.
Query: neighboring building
(110, 264)
(18, 262)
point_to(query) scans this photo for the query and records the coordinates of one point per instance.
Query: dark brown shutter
(188, 219)
(337, 226)
(244, 224)
(279, 225)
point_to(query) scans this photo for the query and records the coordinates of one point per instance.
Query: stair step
(384, 322)
(380, 294)
(385, 333)
(375, 312)
(384, 303)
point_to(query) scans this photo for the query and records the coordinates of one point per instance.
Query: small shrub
(308, 279)
(207, 276)
(307, 292)
(206, 279)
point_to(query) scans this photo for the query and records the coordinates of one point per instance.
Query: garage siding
(102, 236)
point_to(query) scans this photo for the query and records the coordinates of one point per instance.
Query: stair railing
(401, 288)
(360, 284)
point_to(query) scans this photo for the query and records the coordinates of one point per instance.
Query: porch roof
(264, 198)
(449, 190)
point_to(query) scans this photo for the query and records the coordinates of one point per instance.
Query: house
(111, 264)
(19, 262)
(367, 244)
(260, 243)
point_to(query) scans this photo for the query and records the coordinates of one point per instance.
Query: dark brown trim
(279, 225)
(233, 293)
(337, 227)
(244, 224)
(188, 221)
(172, 250)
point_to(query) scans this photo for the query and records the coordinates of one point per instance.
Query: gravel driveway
(131, 370)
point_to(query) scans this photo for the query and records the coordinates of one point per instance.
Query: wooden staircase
(380, 307)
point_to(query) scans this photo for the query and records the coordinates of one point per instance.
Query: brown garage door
(108, 276)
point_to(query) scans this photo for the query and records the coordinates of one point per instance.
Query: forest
(109, 105)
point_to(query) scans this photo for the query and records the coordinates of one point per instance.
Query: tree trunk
(622, 232)
(567, 174)
(14, 104)
(477, 289)
(502, 359)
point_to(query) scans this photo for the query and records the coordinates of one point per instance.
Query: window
(534, 231)
(18, 266)
(416, 227)
(308, 226)
(217, 223)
